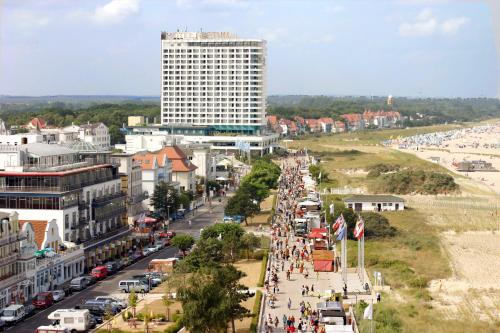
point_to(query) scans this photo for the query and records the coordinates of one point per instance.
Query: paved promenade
(297, 295)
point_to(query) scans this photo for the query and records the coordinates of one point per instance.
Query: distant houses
(346, 122)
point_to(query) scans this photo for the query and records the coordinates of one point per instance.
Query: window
(68, 320)
(349, 205)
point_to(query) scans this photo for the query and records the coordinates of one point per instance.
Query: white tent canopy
(308, 203)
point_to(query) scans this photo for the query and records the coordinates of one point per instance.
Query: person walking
(289, 303)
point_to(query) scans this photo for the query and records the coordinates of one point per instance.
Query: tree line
(253, 189)
(423, 111)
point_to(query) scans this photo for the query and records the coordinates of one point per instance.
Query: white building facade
(214, 79)
(374, 203)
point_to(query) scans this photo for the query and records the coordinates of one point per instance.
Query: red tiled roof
(38, 123)
(182, 166)
(273, 120)
(39, 227)
(146, 160)
(326, 120)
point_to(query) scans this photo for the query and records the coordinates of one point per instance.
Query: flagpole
(371, 321)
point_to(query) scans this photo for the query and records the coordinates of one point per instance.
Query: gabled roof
(172, 152)
(38, 123)
(183, 166)
(374, 198)
(39, 227)
(146, 160)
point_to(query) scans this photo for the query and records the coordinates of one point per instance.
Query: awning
(315, 234)
(308, 203)
(323, 266)
(221, 178)
(149, 219)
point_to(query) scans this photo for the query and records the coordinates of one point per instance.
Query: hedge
(256, 312)
(263, 270)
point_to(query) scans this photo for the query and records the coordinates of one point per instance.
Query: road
(109, 286)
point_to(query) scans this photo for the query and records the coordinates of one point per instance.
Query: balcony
(9, 259)
(107, 236)
(11, 238)
(7, 281)
(99, 202)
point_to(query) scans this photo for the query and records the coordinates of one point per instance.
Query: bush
(259, 254)
(377, 226)
(263, 268)
(256, 312)
(415, 181)
(126, 314)
(176, 327)
(380, 168)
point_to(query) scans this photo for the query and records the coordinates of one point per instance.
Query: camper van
(13, 314)
(135, 285)
(72, 319)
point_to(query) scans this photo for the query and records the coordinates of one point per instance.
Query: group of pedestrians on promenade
(289, 254)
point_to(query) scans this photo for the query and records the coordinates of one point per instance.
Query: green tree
(132, 301)
(249, 242)
(211, 298)
(165, 198)
(183, 242)
(242, 204)
(208, 252)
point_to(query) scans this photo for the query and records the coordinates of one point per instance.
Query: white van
(75, 320)
(13, 313)
(135, 285)
(78, 283)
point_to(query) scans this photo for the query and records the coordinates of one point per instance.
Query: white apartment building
(213, 79)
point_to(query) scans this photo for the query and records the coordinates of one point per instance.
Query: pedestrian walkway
(293, 288)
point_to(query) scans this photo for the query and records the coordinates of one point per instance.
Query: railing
(9, 259)
(8, 281)
(109, 234)
(106, 199)
(11, 238)
(110, 213)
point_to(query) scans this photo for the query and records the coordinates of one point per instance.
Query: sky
(416, 48)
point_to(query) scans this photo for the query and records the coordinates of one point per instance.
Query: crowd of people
(291, 254)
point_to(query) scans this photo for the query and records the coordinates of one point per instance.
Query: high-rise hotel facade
(213, 80)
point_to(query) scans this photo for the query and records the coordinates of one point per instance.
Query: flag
(338, 222)
(342, 232)
(332, 209)
(359, 230)
(368, 314)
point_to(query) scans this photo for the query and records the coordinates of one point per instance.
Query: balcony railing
(10, 280)
(104, 200)
(11, 238)
(106, 235)
(11, 258)
(109, 213)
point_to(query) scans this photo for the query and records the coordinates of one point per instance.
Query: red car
(167, 234)
(43, 300)
(100, 272)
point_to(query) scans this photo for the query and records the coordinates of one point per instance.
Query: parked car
(148, 250)
(90, 279)
(136, 285)
(126, 261)
(159, 245)
(111, 267)
(122, 304)
(137, 255)
(145, 278)
(43, 300)
(100, 272)
(13, 314)
(75, 320)
(79, 283)
(171, 234)
(58, 295)
(29, 310)
(3, 325)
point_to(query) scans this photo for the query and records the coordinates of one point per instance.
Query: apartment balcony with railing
(108, 236)
(8, 280)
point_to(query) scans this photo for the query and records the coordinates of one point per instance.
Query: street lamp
(168, 214)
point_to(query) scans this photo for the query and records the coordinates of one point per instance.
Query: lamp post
(168, 215)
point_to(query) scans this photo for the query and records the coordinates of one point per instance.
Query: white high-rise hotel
(214, 80)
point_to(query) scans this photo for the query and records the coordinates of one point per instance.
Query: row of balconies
(9, 280)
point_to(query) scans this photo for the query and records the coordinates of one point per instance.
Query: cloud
(115, 11)
(27, 20)
(426, 24)
(453, 25)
